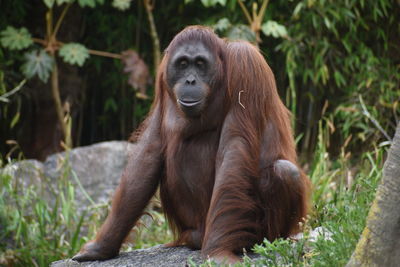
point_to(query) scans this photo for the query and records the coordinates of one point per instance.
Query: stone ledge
(150, 257)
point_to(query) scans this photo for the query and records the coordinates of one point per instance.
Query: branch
(262, 10)
(104, 54)
(49, 23)
(55, 91)
(153, 32)
(91, 51)
(246, 13)
(60, 20)
(40, 41)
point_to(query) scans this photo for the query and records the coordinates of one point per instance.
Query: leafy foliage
(89, 3)
(38, 62)
(274, 29)
(336, 52)
(121, 4)
(74, 53)
(15, 39)
(50, 3)
(240, 32)
(40, 230)
(222, 25)
(82, 3)
(234, 31)
(341, 205)
(41, 222)
(60, 2)
(211, 3)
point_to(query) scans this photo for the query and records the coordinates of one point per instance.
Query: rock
(150, 257)
(97, 168)
(176, 256)
(26, 172)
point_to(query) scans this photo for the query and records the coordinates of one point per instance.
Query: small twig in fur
(240, 103)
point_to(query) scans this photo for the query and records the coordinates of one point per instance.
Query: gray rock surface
(177, 256)
(150, 257)
(98, 169)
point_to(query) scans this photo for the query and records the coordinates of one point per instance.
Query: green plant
(336, 51)
(40, 222)
(341, 204)
(40, 60)
(255, 19)
(43, 62)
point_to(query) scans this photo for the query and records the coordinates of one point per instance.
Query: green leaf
(121, 4)
(339, 79)
(49, 3)
(110, 105)
(74, 53)
(273, 28)
(222, 25)
(211, 3)
(89, 3)
(327, 22)
(241, 32)
(15, 120)
(60, 2)
(38, 62)
(206, 3)
(298, 9)
(15, 39)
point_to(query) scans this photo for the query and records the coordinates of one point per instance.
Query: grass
(39, 229)
(339, 210)
(40, 223)
(37, 232)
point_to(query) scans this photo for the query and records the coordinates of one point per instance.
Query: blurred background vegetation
(337, 66)
(329, 57)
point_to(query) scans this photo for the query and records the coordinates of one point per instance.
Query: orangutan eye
(183, 63)
(200, 62)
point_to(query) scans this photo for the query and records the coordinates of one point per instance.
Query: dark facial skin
(190, 71)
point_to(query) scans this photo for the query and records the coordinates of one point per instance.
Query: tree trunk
(379, 244)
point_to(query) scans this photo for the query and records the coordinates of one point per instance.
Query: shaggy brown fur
(226, 180)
